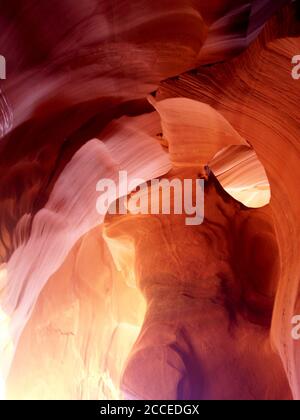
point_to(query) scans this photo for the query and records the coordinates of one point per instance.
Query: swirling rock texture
(142, 306)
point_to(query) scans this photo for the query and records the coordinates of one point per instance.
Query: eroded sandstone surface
(143, 306)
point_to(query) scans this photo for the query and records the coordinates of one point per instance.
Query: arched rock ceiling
(122, 302)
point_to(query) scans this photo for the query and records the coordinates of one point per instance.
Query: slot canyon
(139, 304)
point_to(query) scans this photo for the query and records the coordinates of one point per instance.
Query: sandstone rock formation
(101, 306)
